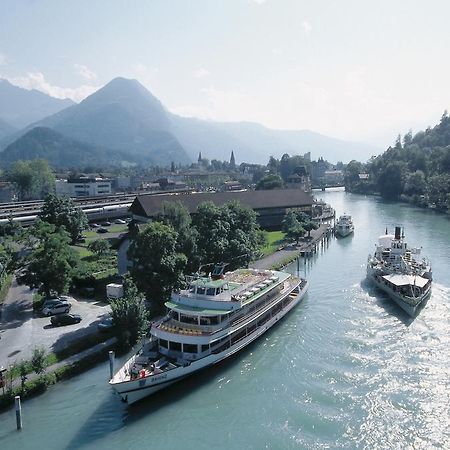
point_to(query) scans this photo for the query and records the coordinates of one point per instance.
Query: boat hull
(135, 390)
(343, 233)
(411, 310)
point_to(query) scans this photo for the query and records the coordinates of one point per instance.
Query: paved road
(21, 330)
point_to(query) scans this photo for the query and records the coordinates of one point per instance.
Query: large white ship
(216, 316)
(400, 271)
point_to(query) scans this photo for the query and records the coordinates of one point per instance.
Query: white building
(83, 187)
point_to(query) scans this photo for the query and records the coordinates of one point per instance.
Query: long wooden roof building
(271, 205)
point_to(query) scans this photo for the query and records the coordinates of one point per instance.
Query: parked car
(65, 319)
(102, 230)
(105, 324)
(51, 301)
(120, 221)
(57, 308)
(106, 224)
(94, 225)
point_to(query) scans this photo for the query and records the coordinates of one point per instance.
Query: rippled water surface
(345, 369)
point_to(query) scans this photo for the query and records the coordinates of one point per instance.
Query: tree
(292, 226)
(62, 211)
(38, 360)
(415, 183)
(129, 315)
(392, 179)
(23, 371)
(99, 247)
(309, 226)
(177, 216)
(51, 264)
(33, 179)
(271, 181)
(157, 266)
(227, 234)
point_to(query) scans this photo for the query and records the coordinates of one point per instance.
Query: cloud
(85, 72)
(307, 28)
(259, 2)
(36, 80)
(201, 73)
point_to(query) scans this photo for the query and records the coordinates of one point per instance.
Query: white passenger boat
(344, 225)
(400, 271)
(215, 317)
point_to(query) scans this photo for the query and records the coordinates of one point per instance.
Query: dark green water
(346, 368)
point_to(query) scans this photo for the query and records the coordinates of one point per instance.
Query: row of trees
(33, 179)
(416, 169)
(53, 263)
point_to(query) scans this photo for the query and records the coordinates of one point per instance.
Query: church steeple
(232, 160)
(199, 157)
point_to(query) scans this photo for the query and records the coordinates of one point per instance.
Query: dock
(306, 247)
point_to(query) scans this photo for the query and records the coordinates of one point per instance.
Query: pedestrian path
(102, 346)
(292, 251)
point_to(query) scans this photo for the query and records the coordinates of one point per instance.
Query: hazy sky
(356, 69)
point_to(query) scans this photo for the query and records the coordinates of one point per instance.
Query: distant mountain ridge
(123, 116)
(126, 118)
(20, 107)
(253, 142)
(6, 129)
(60, 151)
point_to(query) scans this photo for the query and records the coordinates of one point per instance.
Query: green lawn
(82, 251)
(274, 240)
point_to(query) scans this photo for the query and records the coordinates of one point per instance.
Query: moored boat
(344, 226)
(400, 271)
(213, 318)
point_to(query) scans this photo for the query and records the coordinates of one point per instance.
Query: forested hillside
(416, 169)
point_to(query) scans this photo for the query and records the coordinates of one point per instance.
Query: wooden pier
(306, 248)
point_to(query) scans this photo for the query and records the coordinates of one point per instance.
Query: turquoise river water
(345, 369)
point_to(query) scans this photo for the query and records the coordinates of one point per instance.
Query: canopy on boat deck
(405, 280)
(196, 310)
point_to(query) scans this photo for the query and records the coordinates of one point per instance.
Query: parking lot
(22, 329)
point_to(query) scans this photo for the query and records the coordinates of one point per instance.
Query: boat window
(205, 321)
(201, 290)
(188, 319)
(163, 343)
(192, 288)
(215, 320)
(211, 291)
(205, 347)
(176, 346)
(190, 348)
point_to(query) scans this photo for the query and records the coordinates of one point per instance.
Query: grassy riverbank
(72, 361)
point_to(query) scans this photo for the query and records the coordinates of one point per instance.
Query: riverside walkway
(291, 252)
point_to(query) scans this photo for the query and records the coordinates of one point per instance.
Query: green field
(274, 239)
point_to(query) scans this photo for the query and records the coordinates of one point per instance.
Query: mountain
(123, 116)
(6, 129)
(60, 151)
(20, 107)
(253, 142)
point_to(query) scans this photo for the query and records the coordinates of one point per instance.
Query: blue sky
(359, 70)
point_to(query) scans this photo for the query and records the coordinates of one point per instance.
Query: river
(345, 369)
